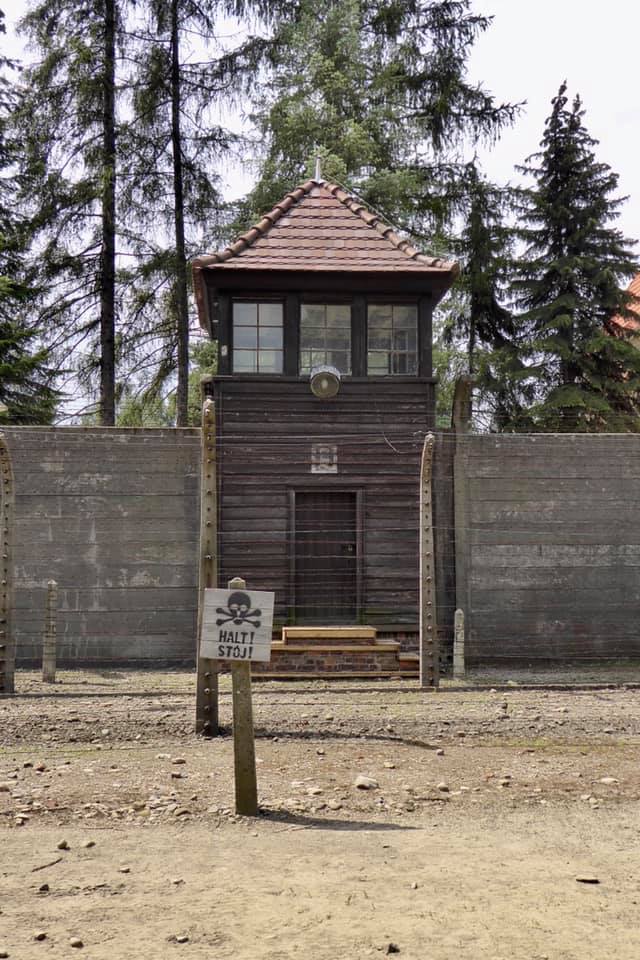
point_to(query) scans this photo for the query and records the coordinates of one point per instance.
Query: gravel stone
(365, 783)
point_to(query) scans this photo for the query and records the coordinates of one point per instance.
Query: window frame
(325, 302)
(233, 348)
(222, 306)
(393, 353)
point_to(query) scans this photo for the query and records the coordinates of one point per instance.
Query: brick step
(369, 658)
(334, 675)
(409, 663)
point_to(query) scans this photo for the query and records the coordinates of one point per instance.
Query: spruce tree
(26, 380)
(569, 283)
(379, 89)
(478, 317)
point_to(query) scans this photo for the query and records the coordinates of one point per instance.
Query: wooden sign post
(237, 625)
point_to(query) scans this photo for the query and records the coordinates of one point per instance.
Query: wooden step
(326, 636)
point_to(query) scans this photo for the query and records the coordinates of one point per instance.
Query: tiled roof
(631, 323)
(320, 227)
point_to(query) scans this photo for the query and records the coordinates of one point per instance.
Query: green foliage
(477, 318)
(379, 91)
(63, 169)
(569, 284)
(26, 379)
(150, 409)
(170, 201)
(449, 363)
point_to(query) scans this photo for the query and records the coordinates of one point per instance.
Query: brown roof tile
(319, 227)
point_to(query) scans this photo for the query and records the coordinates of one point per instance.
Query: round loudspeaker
(324, 381)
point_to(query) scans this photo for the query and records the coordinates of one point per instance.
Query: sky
(527, 52)
(531, 48)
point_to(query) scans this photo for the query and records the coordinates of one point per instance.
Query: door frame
(311, 487)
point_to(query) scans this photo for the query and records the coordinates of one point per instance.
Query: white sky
(532, 47)
(526, 53)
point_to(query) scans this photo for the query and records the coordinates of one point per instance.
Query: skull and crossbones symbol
(239, 611)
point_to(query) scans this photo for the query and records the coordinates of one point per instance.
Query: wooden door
(326, 557)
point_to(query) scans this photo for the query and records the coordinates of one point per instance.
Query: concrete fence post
(458, 645)
(49, 643)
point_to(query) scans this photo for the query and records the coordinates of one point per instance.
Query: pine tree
(26, 379)
(66, 117)
(569, 283)
(171, 148)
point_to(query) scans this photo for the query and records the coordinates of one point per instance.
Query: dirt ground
(491, 809)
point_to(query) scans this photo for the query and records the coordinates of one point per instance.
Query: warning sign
(237, 625)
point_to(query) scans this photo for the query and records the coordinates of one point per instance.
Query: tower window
(325, 336)
(257, 337)
(392, 339)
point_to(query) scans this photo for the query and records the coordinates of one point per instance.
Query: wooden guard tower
(324, 393)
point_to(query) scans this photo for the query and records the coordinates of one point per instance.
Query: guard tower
(324, 393)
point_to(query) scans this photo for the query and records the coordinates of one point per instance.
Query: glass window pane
(318, 356)
(400, 340)
(305, 361)
(380, 339)
(270, 314)
(392, 339)
(405, 317)
(270, 337)
(245, 337)
(378, 363)
(257, 325)
(270, 361)
(339, 315)
(380, 312)
(313, 314)
(325, 336)
(340, 359)
(245, 314)
(400, 363)
(338, 340)
(311, 336)
(245, 361)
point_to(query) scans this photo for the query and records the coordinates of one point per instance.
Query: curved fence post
(207, 670)
(429, 643)
(7, 639)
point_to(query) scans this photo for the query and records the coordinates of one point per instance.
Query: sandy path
(446, 888)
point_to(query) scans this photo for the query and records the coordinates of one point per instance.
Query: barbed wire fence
(537, 539)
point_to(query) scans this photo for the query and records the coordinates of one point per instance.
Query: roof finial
(318, 174)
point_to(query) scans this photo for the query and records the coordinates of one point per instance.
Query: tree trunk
(180, 283)
(108, 249)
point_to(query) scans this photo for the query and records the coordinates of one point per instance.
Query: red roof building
(630, 323)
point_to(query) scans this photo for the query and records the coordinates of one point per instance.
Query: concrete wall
(547, 560)
(548, 546)
(112, 515)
